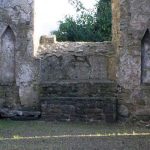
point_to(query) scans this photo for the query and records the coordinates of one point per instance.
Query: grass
(41, 135)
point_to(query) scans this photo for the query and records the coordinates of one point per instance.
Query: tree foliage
(88, 25)
(103, 19)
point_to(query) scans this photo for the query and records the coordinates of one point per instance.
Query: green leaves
(88, 25)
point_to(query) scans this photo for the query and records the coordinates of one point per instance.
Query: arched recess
(145, 58)
(7, 56)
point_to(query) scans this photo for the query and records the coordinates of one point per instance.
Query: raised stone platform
(79, 101)
(78, 88)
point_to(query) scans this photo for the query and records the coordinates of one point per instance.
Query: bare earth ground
(40, 135)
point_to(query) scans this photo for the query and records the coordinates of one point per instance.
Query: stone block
(79, 106)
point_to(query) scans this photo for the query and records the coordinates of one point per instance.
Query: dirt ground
(40, 135)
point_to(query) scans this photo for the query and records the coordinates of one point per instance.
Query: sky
(49, 12)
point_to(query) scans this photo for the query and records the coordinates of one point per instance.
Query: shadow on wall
(145, 59)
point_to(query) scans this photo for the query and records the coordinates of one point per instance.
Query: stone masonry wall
(133, 17)
(76, 61)
(17, 65)
(77, 81)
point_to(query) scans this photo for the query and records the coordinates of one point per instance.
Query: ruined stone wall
(77, 81)
(17, 65)
(81, 75)
(134, 20)
(76, 61)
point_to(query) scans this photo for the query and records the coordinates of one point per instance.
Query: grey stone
(19, 114)
(63, 64)
(73, 102)
(123, 111)
(130, 28)
(17, 64)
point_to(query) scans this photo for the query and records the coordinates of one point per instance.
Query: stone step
(63, 100)
(91, 109)
(76, 89)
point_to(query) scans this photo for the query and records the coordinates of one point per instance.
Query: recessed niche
(7, 55)
(145, 59)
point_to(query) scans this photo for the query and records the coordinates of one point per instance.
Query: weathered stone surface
(88, 48)
(19, 114)
(7, 63)
(131, 23)
(47, 40)
(79, 101)
(75, 82)
(88, 88)
(79, 109)
(75, 61)
(9, 96)
(17, 65)
(123, 111)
